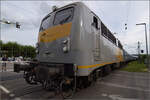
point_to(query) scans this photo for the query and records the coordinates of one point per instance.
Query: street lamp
(8, 22)
(146, 43)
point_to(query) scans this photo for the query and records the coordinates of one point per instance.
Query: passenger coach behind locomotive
(74, 46)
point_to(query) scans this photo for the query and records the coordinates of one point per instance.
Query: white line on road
(117, 97)
(122, 86)
(4, 89)
(129, 76)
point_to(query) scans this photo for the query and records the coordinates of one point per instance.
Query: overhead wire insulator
(17, 25)
(125, 26)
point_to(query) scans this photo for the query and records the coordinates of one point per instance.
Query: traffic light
(17, 25)
(142, 51)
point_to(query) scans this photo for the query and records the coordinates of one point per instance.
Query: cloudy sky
(114, 14)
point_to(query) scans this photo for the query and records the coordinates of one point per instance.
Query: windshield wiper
(64, 20)
(41, 28)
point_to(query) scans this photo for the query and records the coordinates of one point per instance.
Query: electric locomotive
(74, 48)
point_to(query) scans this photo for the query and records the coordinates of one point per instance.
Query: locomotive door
(96, 32)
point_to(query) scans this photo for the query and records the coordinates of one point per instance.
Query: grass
(135, 66)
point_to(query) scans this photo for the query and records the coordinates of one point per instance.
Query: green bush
(135, 66)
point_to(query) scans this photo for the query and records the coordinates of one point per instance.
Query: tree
(13, 49)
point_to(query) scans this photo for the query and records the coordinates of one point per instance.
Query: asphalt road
(118, 85)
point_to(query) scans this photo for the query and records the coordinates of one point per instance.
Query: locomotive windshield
(46, 23)
(61, 17)
(64, 16)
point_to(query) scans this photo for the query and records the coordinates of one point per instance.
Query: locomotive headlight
(66, 45)
(65, 42)
(65, 49)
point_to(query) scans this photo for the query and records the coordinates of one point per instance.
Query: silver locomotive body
(73, 44)
(79, 41)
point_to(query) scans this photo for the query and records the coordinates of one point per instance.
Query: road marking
(4, 89)
(123, 86)
(117, 97)
(12, 95)
(129, 76)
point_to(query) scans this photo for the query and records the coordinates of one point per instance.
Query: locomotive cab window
(64, 16)
(95, 22)
(45, 23)
(104, 30)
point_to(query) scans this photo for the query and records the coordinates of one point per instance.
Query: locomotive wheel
(107, 70)
(117, 65)
(113, 67)
(46, 85)
(30, 78)
(66, 89)
(88, 80)
(95, 77)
